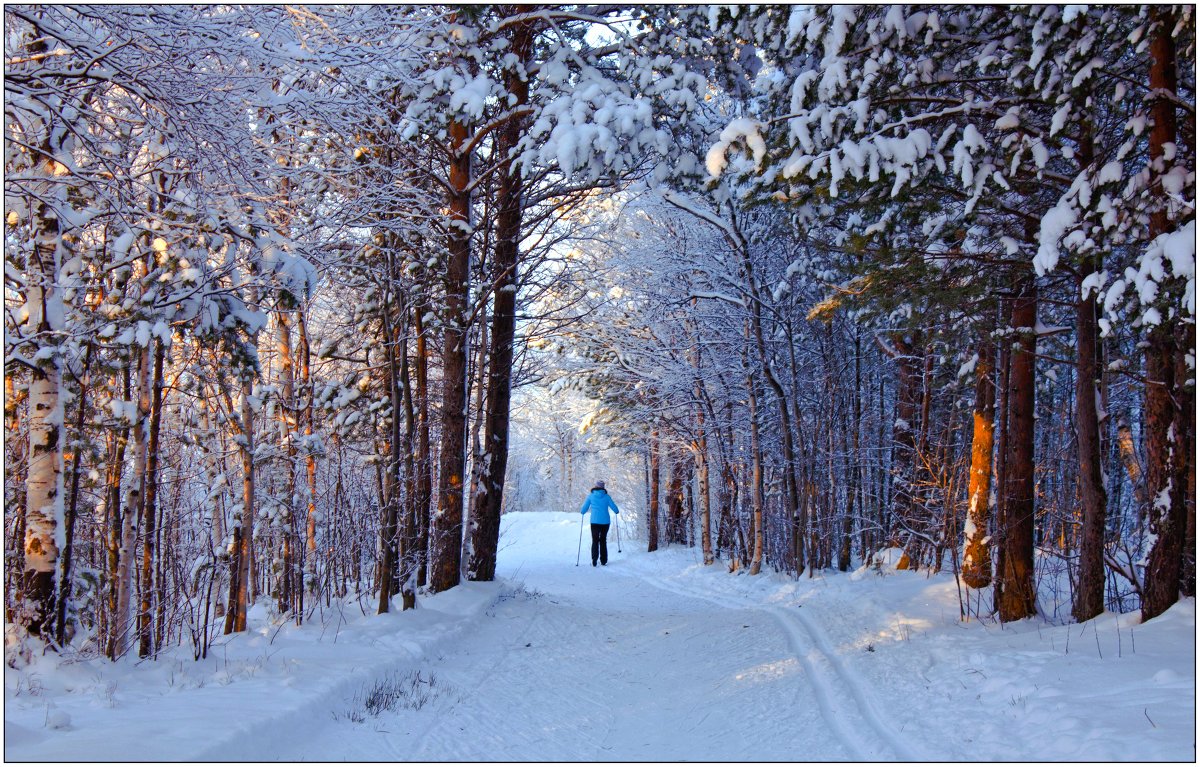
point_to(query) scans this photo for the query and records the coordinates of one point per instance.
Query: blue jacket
(599, 502)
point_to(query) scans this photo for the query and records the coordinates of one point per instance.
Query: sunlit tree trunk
(44, 477)
(977, 557)
(287, 444)
(310, 584)
(44, 498)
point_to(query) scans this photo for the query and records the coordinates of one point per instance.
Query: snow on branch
(717, 296)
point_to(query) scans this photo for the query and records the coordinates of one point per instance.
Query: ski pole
(618, 534)
(580, 547)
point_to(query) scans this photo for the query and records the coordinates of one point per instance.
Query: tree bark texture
(70, 513)
(43, 493)
(1089, 590)
(486, 526)
(287, 443)
(977, 557)
(150, 509)
(131, 512)
(423, 498)
(756, 479)
(310, 583)
(1015, 585)
(114, 515)
(447, 532)
(1166, 482)
(243, 537)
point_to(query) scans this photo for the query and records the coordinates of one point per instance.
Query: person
(599, 502)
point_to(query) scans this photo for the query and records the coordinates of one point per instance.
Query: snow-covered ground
(653, 657)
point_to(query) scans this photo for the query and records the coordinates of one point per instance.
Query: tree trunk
(150, 509)
(16, 463)
(115, 524)
(1166, 483)
(44, 477)
(448, 521)
(702, 469)
(486, 527)
(846, 536)
(1001, 467)
(44, 497)
(652, 510)
(756, 488)
(410, 538)
(477, 378)
(389, 529)
(1185, 470)
(71, 512)
(131, 512)
(796, 512)
(1089, 591)
(675, 505)
(310, 465)
(212, 468)
(977, 556)
(287, 443)
(243, 541)
(904, 447)
(424, 458)
(1015, 586)
(853, 461)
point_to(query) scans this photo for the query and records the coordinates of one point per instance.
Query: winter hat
(600, 484)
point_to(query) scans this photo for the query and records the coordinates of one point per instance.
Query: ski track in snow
(615, 672)
(834, 685)
(614, 664)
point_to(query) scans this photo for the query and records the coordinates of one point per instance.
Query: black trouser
(600, 543)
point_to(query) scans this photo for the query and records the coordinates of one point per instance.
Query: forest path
(619, 663)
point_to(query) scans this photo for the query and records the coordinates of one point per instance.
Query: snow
(652, 658)
(741, 129)
(1055, 224)
(1010, 120)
